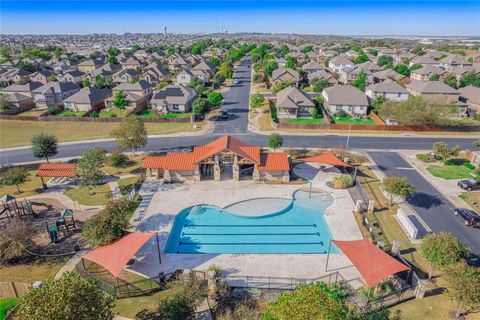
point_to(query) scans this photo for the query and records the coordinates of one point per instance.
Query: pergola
(373, 263)
(56, 170)
(326, 158)
(116, 255)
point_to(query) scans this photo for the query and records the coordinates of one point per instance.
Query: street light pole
(348, 137)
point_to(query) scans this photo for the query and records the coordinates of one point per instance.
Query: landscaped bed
(350, 120)
(100, 197)
(150, 114)
(68, 113)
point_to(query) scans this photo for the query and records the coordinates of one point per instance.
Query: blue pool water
(299, 228)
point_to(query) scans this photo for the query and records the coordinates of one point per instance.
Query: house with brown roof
(434, 90)
(173, 98)
(452, 61)
(425, 72)
(89, 65)
(154, 73)
(285, 74)
(471, 96)
(52, 94)
(224, 158)
(387, 74)
(138, 94)
(346, 98)
(312, 67)
(294, 103)
(88, 99)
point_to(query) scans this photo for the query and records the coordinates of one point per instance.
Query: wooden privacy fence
(13, 289)
(87, 119)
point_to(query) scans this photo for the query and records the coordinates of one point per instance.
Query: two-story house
(173, 98)
(53, 94)
(388, 89)
(347, 98)
(294, 103)
(137, 94)
(339, 63)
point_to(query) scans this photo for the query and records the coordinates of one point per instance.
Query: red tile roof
(228, 143)
(153, 162)
(274, 161)
(55, 166)
(179, 161)
(56, 170)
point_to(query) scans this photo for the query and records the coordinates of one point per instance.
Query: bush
(14, 238)
(342, 181)
(341, 113)
(94, 114)
(468, 165)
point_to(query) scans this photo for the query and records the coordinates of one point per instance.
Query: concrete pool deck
(259, 207)
(168, 200)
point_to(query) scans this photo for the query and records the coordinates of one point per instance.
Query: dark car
(223, 114)
(469, 184)
(469, 217)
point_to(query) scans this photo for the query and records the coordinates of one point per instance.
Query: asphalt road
(236, 101)
(431, 206)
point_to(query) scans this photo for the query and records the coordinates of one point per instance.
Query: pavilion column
(216, 169)
(286, 176)
(235, 169)
(256, 174)
(166, 176)
(196, 173)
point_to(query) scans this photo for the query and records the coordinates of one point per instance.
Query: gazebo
(372, 263)
(56, 170)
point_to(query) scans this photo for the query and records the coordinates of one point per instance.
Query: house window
(175, 107)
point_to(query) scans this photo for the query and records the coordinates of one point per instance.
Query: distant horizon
(338, 18)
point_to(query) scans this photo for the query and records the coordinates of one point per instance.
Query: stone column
(286, 176)
(166, 176)
(256, 174)
(371, 206)
(216, 169)
(235, 169)
(196, 173)
(358, 206)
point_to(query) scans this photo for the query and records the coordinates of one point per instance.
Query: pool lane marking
(247, 243)
(252, 234)
(249, 225)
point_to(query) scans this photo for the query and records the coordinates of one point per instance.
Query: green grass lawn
(150, 114)
(31, 187)
(126, 184)
(15, 133)
(31, 270)
(350, 120)
(132, 166)
(32, 112)
(7, 304)
(114, 113)
(449, 172)
(306, 121)
(425, 157)
(68, 113)
(100, 197)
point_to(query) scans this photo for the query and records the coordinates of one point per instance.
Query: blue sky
(310, 17)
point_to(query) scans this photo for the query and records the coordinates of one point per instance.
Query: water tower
(164, 31)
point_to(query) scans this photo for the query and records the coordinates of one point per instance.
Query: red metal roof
(327, 158)
(153, 162)
(273, 161)
(114, 256)
(373, 263)
(179, 161)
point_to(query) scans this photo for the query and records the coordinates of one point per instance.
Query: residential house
(388, 89)
(176, 62)
(322, 75)
(424, 61)
(348, 75)
(53, 94)
(14, 75)
(131, 63)
(17, 102)
(387, 52)
(285, 74)
(461, 71)
(337, 64)
(470, 95)
(346, 98)
(184, 77)
(140, 54)
(312, 67)
(138, 94)
(452, 61)
(41, 76)
(434, 90)
(126, 76)
(88, 99)
(281, 62)
(73, 76)
(173, 98)
(426, 72)
(387, 74)
(89, 65)
(24, 89)
(205, 66)
(294, 103)
(369, 66)
(154, 73)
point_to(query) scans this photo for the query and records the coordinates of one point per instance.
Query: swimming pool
(298, 228)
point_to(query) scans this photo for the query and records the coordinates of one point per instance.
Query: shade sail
(373, 263)
(114, 256)
(326, 158)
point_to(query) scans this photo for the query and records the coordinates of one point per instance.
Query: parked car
(469, 184)
(223, 114)
(469, 217)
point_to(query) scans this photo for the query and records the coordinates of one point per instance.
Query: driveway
(431, 206)
(236, 100)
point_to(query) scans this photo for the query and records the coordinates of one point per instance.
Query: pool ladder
(198, 210)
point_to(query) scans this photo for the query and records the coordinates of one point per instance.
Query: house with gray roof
(425, 72)
(138, 94)
(88, 99)
(126, 76)
(294, 103)
(89, 65)
(312, 66)
(322, 75)
(173, 98)
(73, 76)
(433, 90)
(346, 98)
(25, 89)
(452, 61)
(388, 89)
(339, 63)
(387, 74)
(285, 74)
(470, 95)
(53, 94)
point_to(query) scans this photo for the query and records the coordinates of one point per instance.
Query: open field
(15, 133)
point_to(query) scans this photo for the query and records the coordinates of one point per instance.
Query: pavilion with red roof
(56, 170)
(217, 157)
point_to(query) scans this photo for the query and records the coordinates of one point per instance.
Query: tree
(319, 85)
(416, 66)
(397, 186)
(386, 61)
(57, 52)
(100, 82)
(291, 62)
(418, 50)
(214, 60)
(361, 81)
(434, 77)
(130, 134)
(15, 237)
(450, 80)
(119, 100)
(258, 77)
(275, 141)
(443, 150)
(112, 55)
(52, 78)
(214, 99)
(463, 282)
(442, 250)
(86, 83)
(89, 173)
(378, 102)
(269, 67)
(163, 83)
(226, 70)
(15, 176)
(470, 79)
(308, 301)
(373, 52)
(256, 100)
(200, 106)
(361, 58)
(69, 298)
(44, 145)
(218, 79)
(281, 85)
(117, 160)
(109, 224)
(307, 49)
(283, 50)
(402, 69)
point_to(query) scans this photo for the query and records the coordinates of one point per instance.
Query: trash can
(53, 232)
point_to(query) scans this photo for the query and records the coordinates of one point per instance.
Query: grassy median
(15, 133)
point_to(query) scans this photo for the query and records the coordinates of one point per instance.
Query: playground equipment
(65, 223)
(11, 207)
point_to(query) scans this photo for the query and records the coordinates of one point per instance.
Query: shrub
(14, 238)
(468, 165)
(341, 113)
(342, 181)
(315, 113)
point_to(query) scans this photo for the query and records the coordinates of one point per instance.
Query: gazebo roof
(326, 158)
(56, 170)
(114, 256)
(373, 263)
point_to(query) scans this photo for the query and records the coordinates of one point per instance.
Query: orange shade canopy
(373, 263)
(115, 256)
(326, 158)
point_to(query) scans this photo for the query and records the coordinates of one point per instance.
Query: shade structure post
(44, 186)
(83, 265)
(328, 255)
(158, 249)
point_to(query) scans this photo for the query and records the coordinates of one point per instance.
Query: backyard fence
(13, 289)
